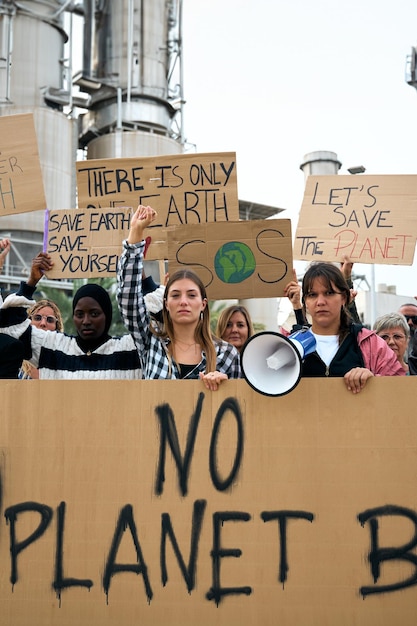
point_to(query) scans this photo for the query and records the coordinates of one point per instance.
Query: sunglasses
(50, 319)
(413, 318)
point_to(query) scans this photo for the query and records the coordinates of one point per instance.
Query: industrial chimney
(320, 163)
(132, 77)
(127, 100)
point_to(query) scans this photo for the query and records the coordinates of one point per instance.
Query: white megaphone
(271, 362)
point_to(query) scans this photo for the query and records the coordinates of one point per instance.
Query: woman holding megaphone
(343, 348)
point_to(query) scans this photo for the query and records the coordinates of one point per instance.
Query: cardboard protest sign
(137, 502)
(85, 243)
(21, 183)
(183, 188)
(247, 259)
(371, 219)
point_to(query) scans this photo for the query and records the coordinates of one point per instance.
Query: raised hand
(141, 219)
(5, 247)
(41, 264)
(292, 291)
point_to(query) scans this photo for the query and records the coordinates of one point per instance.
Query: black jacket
(11, 356)
(412, 358)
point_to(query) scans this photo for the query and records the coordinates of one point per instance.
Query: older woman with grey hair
(394, 329)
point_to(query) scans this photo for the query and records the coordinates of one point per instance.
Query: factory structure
(126, 100)
(123, 97)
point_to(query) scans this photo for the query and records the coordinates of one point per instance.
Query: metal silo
(33, 75)
(126, 100)
(132, 76)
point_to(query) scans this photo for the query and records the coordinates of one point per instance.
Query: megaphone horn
(271, 362)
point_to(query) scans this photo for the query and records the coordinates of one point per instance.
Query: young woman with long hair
(182, 345)
(343, 348)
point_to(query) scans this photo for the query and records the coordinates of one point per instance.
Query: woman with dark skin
(91, 353)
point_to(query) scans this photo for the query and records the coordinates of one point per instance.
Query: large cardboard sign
(184, 189)
(160, 503)
(371, 219)
(248, 259)
(21, 183)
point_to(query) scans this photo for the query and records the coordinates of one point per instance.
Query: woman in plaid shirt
(182, 346)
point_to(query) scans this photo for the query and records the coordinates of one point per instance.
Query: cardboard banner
(371, 219)
(183, 188)
(247, 259)
(85, 243)
(137, 502)
(21, 183)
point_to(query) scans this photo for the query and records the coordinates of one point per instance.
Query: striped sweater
(58, 356)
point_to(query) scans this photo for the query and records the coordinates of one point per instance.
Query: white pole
(373, 296)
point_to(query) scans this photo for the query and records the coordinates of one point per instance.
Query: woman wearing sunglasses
(44, 315)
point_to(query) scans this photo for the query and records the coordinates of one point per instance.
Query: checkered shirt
(153, 351)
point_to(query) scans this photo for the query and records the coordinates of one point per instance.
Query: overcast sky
(273, 80)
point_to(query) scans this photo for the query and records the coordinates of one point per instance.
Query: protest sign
(85, 243)
(247, 259)
(371, 219)
(235, 259)
(182, 188)
(161, 503)
(21, 183)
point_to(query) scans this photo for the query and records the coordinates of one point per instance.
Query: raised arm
(41, 264)
(5, 247)
(130, 297)
(13, 312)
(292, 291)
(346, 267)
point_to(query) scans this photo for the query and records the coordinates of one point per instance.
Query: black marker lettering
(282, 517)
(112, 568)
(11, 515)
(169, 436)
(188, 572)
(60, 582)
(229, 405)
(378, 555)
(217, 592)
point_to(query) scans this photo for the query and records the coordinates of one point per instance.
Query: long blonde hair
(202, 332)
(227, 313)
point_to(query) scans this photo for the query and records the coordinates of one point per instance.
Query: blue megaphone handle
(305, 339)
